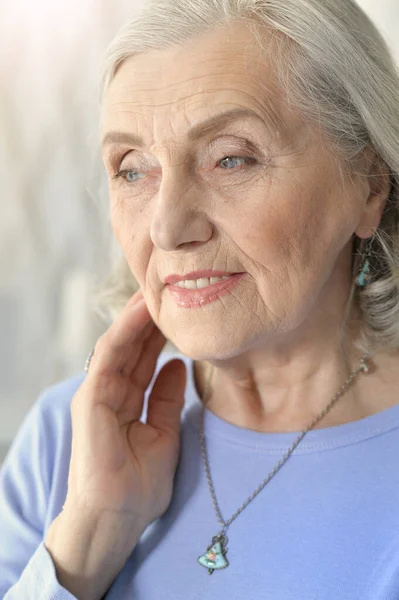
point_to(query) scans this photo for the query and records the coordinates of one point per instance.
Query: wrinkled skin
(280, 212)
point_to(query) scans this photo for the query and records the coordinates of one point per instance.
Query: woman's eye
(130, 175)
(230, 162)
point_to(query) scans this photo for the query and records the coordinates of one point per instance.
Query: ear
(378, 186)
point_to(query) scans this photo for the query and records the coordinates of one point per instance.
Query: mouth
(190, 293)
(200, 276)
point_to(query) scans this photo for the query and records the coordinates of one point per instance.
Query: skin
(285, 217)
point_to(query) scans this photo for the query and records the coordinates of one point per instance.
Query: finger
(166, 400)
(144, 368)
(123, 341)
(141, 376)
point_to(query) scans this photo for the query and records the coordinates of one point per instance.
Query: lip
(196, 275)
(187, 298)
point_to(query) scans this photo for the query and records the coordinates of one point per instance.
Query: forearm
(89, 552)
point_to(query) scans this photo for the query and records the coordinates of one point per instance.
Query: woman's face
(253, 192)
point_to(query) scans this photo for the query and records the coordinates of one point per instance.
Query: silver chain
(363, 367)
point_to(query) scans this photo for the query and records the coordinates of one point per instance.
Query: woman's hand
(118, 463)
(121, 470)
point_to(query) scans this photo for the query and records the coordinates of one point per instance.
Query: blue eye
(231, 161)
(130, 175)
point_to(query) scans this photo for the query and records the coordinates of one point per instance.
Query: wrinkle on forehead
(208, 71)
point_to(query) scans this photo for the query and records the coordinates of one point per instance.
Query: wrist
(89, 550)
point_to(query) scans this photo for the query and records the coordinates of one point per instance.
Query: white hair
(337, 70)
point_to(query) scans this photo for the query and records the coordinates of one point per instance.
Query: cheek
(126, 219)
(130, 231)
(266, 233)
(116, 223)
(295, 230)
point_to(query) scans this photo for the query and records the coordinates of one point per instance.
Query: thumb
(166, 400)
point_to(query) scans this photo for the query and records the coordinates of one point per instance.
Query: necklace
(215, 556)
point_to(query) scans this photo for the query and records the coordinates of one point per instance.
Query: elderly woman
(252, 150)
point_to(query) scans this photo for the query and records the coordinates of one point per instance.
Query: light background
(55, 237)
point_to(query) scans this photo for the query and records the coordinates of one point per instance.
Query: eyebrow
(197, 132)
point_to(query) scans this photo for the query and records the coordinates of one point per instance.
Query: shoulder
(56, 397)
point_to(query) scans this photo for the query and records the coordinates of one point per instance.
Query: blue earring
(364, 276)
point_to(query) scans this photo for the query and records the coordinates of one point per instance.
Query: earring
(363, 278)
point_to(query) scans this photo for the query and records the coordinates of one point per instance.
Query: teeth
(201, 283)
(192, 284)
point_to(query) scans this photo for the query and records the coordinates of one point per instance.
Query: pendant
(215, 556)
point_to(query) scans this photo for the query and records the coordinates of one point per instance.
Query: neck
(280, 393)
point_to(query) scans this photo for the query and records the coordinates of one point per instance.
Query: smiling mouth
(200, 283)
(208, 290)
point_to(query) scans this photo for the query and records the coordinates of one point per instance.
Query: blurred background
(55, 238)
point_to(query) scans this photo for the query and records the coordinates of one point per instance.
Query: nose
(180, 212)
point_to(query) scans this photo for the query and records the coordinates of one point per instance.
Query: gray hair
(337, 70)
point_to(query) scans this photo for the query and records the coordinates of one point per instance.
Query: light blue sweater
(326, 527)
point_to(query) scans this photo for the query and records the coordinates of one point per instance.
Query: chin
(214, 346)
